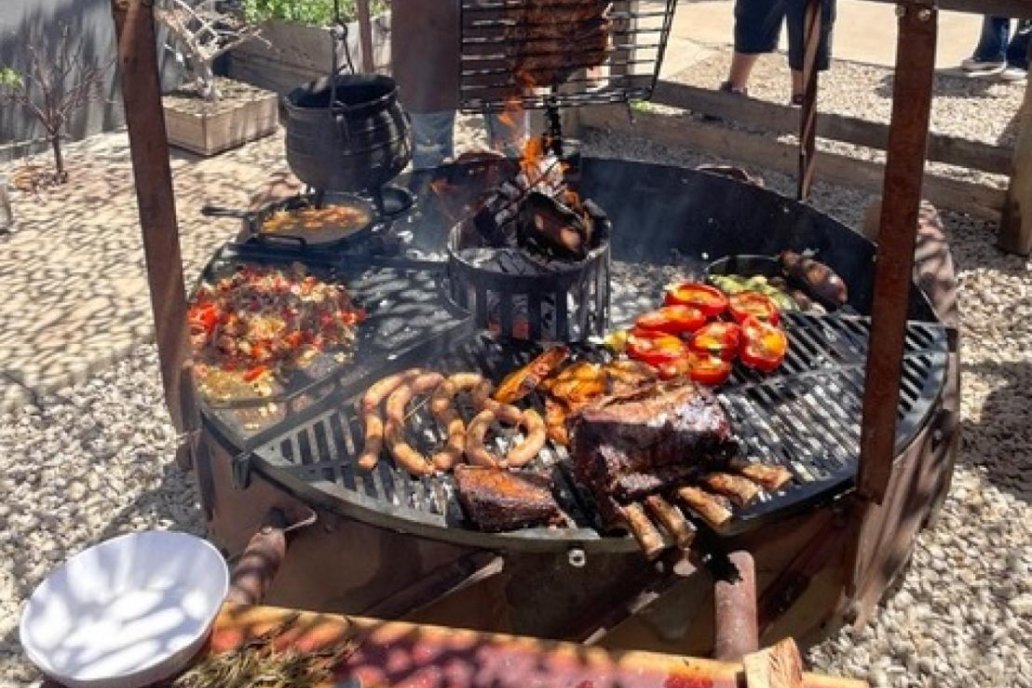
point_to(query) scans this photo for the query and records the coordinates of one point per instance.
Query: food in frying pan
(815, 278)
(260, 323)
(300, 220)
(497, 500)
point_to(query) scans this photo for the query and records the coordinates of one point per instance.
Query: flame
(511, 112)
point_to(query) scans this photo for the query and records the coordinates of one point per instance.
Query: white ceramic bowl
(127, 612)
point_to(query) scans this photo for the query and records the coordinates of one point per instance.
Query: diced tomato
(708, 369)
(205, 316)
(755, 304)
(294, 339)
(721, 339)
(672, 320)
(252, 374)
(710, 300)
(654, 347)
(764, 346)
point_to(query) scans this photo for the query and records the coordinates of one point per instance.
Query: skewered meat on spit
(557, 38)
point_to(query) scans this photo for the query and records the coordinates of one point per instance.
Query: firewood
(778, 666)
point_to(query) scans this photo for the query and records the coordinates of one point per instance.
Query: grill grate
(500, 39)
(805, 416)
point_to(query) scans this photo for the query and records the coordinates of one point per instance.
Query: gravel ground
(95, 460)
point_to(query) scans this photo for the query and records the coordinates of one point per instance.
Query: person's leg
(991, 51)
(1017, 51)
(795, 18)
(433, 138)
(757, 27)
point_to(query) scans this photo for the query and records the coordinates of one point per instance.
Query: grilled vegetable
(755, 304)
(655, 348)
(776, 288)
(710, 300)
(672, 320)
(816, 278)
(764, 346)
(525, 380)
(719, 338)
(708, 369)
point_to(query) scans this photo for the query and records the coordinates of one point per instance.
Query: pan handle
(288, 241)
(257, 567)
(219, 211)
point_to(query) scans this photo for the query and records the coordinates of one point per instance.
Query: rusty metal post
(734, 604)
(904, 172)
(148, 143)
(808, 111)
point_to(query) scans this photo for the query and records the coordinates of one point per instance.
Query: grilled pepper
(710, 300)
(655, 348)
(721, 339)
(755, 304)
(675, 320)
(764, 346)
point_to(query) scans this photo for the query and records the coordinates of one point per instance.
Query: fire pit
(805, 417)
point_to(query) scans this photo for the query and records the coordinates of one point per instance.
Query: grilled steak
(628, 448)
(498, 500)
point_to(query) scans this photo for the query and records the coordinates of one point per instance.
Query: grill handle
(219, 211)
(257, 567)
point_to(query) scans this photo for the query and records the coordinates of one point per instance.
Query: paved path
(864, 32)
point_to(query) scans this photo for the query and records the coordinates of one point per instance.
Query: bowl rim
(40, 658)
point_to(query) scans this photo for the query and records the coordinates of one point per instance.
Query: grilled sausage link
(404, 454)
(519, 455)
(372, 421)
(442, 406)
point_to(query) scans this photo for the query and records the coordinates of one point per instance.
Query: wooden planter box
(243, 115)
(296, 53)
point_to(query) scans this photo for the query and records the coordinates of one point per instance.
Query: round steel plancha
(806, 416)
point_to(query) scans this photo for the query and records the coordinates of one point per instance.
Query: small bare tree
(58, 80)
(202, 30)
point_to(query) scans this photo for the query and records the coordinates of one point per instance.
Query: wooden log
(778, 666)
(782, 119)
(754, 149)
(736, 629)
(479, 660)
(1016, 224)
(1017, 9)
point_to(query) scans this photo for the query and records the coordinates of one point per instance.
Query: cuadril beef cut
(631, 447)
(497, 500)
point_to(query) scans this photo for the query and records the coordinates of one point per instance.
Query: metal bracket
(241, 469)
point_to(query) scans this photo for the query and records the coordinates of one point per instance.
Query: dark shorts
(758, 26)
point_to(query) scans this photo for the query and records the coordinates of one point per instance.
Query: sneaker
(973, 64)
(1014, 74)
(726, 87)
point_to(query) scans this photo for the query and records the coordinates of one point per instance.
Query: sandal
(726, 87)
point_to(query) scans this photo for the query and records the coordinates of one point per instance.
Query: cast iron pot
(347, 133)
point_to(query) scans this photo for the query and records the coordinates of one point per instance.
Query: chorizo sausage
(372, 421)
(442, 406)
(404, 454)
(517, 456)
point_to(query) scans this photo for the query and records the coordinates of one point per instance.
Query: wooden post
(736, 632)
(365, 35)
(1016, 224)
(897, 237)
(148, 143)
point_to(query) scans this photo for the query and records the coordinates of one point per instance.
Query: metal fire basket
(499, 37)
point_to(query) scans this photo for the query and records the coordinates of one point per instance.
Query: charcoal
(497, 500)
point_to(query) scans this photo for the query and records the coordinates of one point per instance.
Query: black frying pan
(321, 237)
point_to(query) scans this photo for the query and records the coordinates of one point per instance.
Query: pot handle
(287, 241)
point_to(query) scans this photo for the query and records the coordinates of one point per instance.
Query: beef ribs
(628, 448)
(498, 500)
(556, 38)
